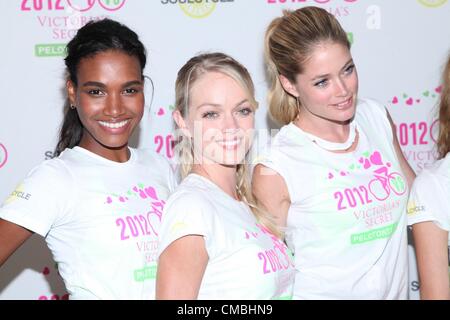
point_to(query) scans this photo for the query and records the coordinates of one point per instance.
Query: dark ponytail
(71, 131)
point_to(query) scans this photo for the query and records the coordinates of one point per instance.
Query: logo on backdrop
(78, 5)
(3, 155)
(432, 3)
(196, 9)
(85, 5)
(417, 139)
(164, 143)
(62, 18)
(338, 8)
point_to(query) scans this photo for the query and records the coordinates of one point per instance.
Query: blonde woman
(334, 175)
(214, 242)
(429, 209)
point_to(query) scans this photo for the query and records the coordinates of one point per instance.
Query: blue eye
(321, 83)
(210, 115)
(245, 111)
(349, 69)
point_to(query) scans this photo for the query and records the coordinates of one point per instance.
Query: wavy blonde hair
(187, 76)
(289, 41)
(443, 142)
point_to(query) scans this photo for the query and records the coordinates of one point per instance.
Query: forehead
(216, 86)
(326, 57)
(111, 64)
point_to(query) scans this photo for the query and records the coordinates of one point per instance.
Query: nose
(341, 88)
(231, 123)
(114, 105)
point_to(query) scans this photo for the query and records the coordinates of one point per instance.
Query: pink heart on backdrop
(410, 101)
(395, 100)
(418, 100)
(375, 158)
(161, 112)
(330, 176)
(438, 89)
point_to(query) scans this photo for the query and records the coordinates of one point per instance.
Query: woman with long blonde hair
(429, 209)
(214, 242)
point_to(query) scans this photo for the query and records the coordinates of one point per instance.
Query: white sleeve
(186, 213)
(378, 115)
(165, 167)
(428, 201)
(269, 159)
(273, 159)
(42, 199)
(172, 178)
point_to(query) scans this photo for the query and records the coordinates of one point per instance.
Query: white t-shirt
(100, 219)
(346, 223)
(430, 196)
(245, 260)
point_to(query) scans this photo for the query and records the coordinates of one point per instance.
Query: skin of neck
(323, 128)
(120, 154)
(221, 175)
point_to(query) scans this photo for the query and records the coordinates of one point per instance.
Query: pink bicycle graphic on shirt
(85, 5)
(384, 182)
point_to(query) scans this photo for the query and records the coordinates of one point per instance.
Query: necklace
(335, 146)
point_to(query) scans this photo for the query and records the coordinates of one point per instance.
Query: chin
(233, 163)
(116, 145)
(228, 160)
(347, 115)
(232, 160)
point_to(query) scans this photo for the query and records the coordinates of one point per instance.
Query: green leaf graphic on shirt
(398, 184)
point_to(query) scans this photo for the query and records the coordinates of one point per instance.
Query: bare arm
(180, 268)
(406, 168)
(271, 192)
(12, 236)
(432, 259)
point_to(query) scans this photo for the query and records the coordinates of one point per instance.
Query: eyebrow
(327, 74)
(102, 85)
(205, 104)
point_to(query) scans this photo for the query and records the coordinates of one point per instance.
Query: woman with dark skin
(98, 204)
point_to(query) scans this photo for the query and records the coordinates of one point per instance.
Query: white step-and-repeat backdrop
(399, 48)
